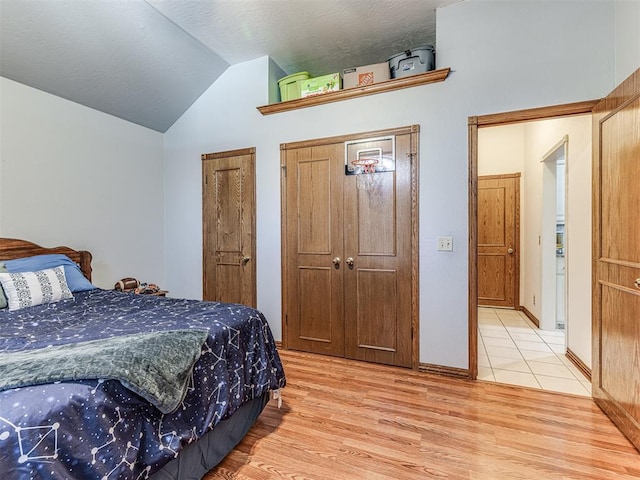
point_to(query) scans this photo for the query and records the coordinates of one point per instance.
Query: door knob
(637, 283)
(510, 250)
(245, 259)
(350, 262)
(336, 261)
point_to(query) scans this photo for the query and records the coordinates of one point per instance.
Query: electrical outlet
(445, 244)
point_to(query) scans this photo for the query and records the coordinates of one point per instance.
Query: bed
(112, 385)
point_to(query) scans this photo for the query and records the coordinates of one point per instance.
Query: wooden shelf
(388, 86)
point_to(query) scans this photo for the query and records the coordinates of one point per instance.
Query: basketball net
(365, 168)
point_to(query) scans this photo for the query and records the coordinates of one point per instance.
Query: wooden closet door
(228, 227)
(349, 251)
(377, 239)
(314, 243)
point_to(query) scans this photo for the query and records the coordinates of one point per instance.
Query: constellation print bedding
(72, 405)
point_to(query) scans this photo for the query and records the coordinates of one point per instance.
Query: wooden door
(313, 288)
(228, 225)
(377, 247)
(498, 240)
(616, 266)
(350, 252)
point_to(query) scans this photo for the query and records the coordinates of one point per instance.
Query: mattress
(99, 428)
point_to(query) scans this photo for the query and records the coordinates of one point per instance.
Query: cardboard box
(366, 75)
(319, 85)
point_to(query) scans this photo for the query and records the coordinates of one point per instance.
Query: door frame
(415, 160)
(548, 272)
(494, 120)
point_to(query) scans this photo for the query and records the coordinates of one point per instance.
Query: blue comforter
(100, 429)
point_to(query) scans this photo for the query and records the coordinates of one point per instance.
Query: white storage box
(412, 62)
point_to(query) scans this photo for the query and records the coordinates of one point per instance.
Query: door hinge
(206, 179)
(284, 170)
(286, 320)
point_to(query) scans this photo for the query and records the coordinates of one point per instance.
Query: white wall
(540, 137)
(501, 149)
(74, 176)
(627, 38)
(504, 55)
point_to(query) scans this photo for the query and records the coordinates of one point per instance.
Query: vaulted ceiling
(148, 61)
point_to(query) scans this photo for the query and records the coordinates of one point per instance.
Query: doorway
(528, 314)
(554, 234)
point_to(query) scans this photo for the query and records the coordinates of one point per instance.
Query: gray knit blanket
(156, 365)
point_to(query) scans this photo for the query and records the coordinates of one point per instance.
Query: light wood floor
(343, 420)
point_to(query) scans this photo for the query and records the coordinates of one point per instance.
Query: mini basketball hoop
(364, 167)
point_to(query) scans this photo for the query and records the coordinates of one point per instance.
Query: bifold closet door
(348, 242)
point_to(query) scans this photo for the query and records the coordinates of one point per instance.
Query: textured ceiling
(318, 36)
(148, 61)
(121, 57)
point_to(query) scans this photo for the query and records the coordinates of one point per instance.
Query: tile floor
(513, 350)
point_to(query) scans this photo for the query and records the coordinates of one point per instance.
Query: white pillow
(34, 288)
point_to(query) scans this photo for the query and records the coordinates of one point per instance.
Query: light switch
(445, 244)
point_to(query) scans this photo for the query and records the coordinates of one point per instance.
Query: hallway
(513, 350)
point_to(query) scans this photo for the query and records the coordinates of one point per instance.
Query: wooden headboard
(12, 248)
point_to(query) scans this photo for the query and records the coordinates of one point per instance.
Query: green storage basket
(290, 85)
